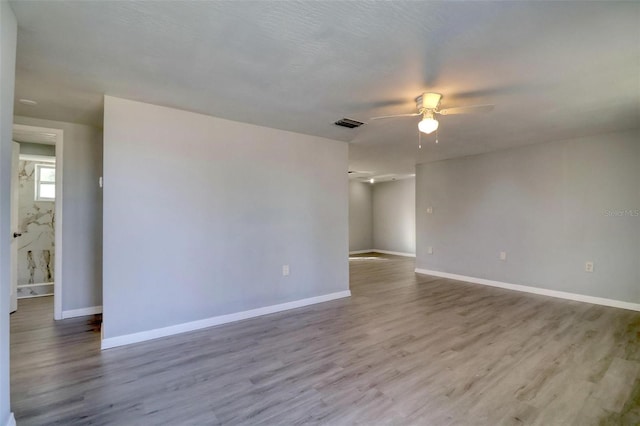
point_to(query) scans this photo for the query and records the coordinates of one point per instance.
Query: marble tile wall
(36, 245)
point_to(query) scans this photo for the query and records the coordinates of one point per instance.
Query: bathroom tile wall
(36, 245)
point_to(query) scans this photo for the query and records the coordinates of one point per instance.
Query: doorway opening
(36, 215)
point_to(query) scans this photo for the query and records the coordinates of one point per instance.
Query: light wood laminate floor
(404, 349)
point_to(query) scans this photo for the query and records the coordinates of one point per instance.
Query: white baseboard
(395, 253)
(112, 342)
(535, 290)
(11, 421)
(91, 310)
(37, 295)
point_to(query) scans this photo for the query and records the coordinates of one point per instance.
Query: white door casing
(15, 231)
(57, 286)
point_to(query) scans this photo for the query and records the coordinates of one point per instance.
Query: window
(45, 182)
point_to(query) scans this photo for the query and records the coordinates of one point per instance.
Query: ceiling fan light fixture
(428, 125)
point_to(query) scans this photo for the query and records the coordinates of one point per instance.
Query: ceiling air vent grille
(349, 123)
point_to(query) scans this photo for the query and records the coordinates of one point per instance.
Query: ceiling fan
(428, 106)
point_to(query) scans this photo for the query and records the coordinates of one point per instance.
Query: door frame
(57, 273)
(14, 213)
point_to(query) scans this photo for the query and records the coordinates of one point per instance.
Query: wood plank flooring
(405, 349)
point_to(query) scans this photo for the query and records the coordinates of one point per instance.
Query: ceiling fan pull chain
(436, 135)
(419, 140)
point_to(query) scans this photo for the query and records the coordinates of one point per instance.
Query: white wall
(360, 216)
(200, 214)
(8, 34)
(550, 206)
(394, 216)
(82, 216)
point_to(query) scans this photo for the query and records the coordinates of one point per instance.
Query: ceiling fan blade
(471, 109)
(490, 92)
(415, 114)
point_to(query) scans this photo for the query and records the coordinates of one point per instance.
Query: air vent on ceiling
(349, 123)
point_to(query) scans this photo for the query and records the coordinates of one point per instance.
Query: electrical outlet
(588, 267)
(429, 250)
(285, 270)
(429, 210)
(503, 255)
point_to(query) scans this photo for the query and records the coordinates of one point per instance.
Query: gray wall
(200, 214)
(394, 216)
(37, 149)
(360, 216)
(8, 34)
(550, 206)
(82, 212)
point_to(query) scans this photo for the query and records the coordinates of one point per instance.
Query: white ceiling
(554, 70)
(34, 136)
(366, 176)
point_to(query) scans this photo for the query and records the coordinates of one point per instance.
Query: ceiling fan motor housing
(428, 101)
